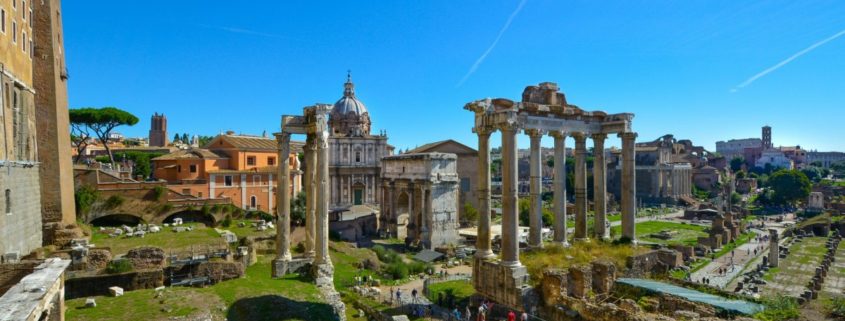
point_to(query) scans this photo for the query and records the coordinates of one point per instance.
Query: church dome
(349, 116)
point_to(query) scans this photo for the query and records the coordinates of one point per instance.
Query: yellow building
(20, 192)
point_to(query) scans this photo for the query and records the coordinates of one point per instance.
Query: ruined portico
(544, 111)
(314, 124)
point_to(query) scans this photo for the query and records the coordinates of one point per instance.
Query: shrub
(206, 210)
(159, 192)
(119, 266)
(165, 208)
(779, 308)
(114, 201)
(227, 221)
(299, 248)
(397, 271)
(85, 196)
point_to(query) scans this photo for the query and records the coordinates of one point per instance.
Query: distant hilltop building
(355, 154)
(758, 152)
(158, 130)
(825, 159)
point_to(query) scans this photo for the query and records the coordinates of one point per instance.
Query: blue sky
(702, 70)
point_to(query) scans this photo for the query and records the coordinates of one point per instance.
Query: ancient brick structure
(51, 104)
(158, 131)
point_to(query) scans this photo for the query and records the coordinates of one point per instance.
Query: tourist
(390, 295)
(456, 314)
(399, 296)
(482, 310)
(511, 316)
(468, 314)
(414, 296)
(524, 316)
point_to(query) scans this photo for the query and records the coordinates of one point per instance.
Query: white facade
(825, 158)
(774, 157)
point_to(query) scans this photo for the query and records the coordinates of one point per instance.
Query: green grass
(687, 234)
(461, 291)
(580, 253)
(253, 297)
(797, 268)
(247, 230)
(167, 240)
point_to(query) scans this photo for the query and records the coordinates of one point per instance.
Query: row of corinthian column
(510, 215)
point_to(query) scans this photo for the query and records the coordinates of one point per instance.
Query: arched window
(357, 157)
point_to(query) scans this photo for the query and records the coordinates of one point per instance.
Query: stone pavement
(834, 284)
(731, 263)
(798, 268)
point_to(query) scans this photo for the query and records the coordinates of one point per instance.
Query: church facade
(355, 155)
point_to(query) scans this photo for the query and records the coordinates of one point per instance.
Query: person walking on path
(511, 316)
(524, 316)
(399, 296)
(468, 314)
(414, 295)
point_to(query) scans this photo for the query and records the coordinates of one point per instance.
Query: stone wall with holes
(20, 210)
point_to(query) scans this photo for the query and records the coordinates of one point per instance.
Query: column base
(504, 284)
(564, 244)
(582, 240)
(323, 274)
(485, 255)
(284, 266)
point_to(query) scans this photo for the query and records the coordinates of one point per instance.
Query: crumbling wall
(146, 258)
(99, 284)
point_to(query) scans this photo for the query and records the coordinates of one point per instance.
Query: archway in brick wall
(192, 216)
(117, 220)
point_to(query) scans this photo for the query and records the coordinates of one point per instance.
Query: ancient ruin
(544, 111)
(421, 193)
(313, 123)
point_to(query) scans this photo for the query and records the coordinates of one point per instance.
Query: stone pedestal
(504, 284)
(282, 267)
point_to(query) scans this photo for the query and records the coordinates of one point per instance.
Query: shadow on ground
(274, 307)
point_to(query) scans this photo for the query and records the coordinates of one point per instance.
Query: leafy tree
(789, 186)
(185, 138)
(204, 140)
(80, 134)
(736, 163)
(740, 174)
(838, 167)
(101, 121)
(297, 209)
(813, 173)
(470, 214)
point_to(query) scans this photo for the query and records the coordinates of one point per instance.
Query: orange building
(242, 168)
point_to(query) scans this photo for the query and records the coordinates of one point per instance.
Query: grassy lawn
(166, 240)
(687, 234)
(254, 297)
(460, 290)
(247, 230)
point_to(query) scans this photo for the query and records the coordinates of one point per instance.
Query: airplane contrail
(493, 45)
(786, 61)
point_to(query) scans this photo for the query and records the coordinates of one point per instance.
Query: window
(179, 168)
(199, 194)
(271, 161)
(256, 180)
(465, 184)
(24, 42)
(30, 18)
(227, 180)
(8, 202)
(14, 32)
(15, 4)
(253, 201)
(357, 157)
(3, 22)
(186, 191)
(250, 160)
(23, 12)
(193, 168)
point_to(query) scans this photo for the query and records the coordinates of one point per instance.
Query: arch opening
(113, 220)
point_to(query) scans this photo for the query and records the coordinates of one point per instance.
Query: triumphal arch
(544, 111)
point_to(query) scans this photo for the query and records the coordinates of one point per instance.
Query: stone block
(579, 282)
(115, 291)
(603, 276)
(553, 286)
(90, 303)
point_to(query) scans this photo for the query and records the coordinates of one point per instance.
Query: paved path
(726, 268)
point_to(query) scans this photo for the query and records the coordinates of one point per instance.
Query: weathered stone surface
(682, 315)
(146, 258)
(579, 282)
(553, 286)
(603, 276)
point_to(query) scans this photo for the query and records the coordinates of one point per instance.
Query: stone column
(629, 186)
(322, 207)
(310, 196)
(774, 248)
(483, 242)
(580, 187)
(510, 213)
(393, 223)
(283, 199)
(535, 234)
(600, 187)
(560, 188)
